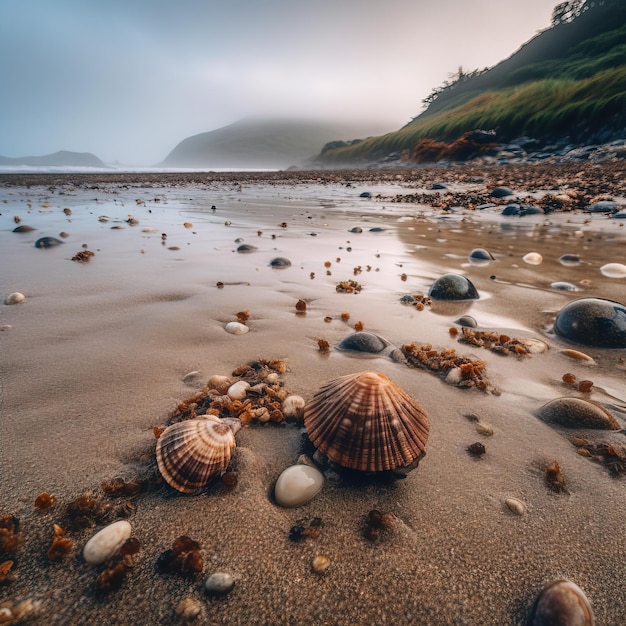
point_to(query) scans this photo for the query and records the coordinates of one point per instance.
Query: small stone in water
(219, 584)
(476, 449)
(614, 270)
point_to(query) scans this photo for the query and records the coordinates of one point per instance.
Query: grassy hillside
(568, 81)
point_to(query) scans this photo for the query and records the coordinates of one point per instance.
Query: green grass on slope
(543, 109)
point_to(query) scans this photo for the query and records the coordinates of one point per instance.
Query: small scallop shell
(219, 383)
(366, 422)
(292, 406)
(532, 258)
(190, 453)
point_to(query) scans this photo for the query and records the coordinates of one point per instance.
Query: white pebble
(103, 544)
(219, 584)
(516, 506)
(614, 270)
(272, 378)
(532, 258)
(15, 298)
(219, 383)
(297, 485)
(236, 328)
(238, 390)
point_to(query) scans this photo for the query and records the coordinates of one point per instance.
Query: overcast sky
(129, 79)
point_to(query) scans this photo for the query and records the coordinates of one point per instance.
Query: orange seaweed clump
(243, 316)
(9, 534)
(86, 511)
(611, 455)
(323, 345)
(60, 546)
(44, 501)
(118, 566)
(119, 487)
(6, 575)
(185, 558)
(555, 478)
(458, 370)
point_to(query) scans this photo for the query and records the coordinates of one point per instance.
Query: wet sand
(96, 356)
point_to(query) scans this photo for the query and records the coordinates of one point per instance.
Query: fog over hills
(63, 158)
(264, 143)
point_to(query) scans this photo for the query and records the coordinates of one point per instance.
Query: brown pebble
(320, 564)
(301, 306)
(476, 449)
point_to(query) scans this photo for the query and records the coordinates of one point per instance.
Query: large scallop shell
(366, 422)
(190, 453)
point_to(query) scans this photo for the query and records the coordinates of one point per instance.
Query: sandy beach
(102, 351)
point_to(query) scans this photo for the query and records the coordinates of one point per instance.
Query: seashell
(535, 346)
(190, 453)
(219, 584)
(293, 406)
(219, 383)
(593, 322)
(467, 320)
(453, 287)
(516, 506)
(561, 602)
(614, 270)
(484, 429)
(366, 422)
(533, 258)
(320, 564)
(238, 390)
(577, 413)
(103, 545)
(575, 354)
(15, 298)
(236, 328)
(297, 485)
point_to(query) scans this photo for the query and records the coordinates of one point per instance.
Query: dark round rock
(363, 342)
(47, 242)
(377, 229)
(467, 320)
(246, 247)
(527, 209)
(569, 259)
(480, 254)
(488, 205)
(280, 262)
(564, 286)
(604, 206)
(453, 287)
(620, 215)
(593, 322)
(365, 194)
(501, 192)
(356, 229)
(408, 299)
(511, 209)
(23, 228)
(436, 186)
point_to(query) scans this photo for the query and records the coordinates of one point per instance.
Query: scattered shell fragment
(533, 258)
(189, 610)
(484, 429)
(15, 298)
(614, 270)
(190, 453)
(577, 355)
(577, 413)
(293, 406)
(220, 383)
(320, 564)
(516, 506)
(366, 422)
(219, 584)
(238, 390)
(297, 485)
(103, 545)
(236, 328)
